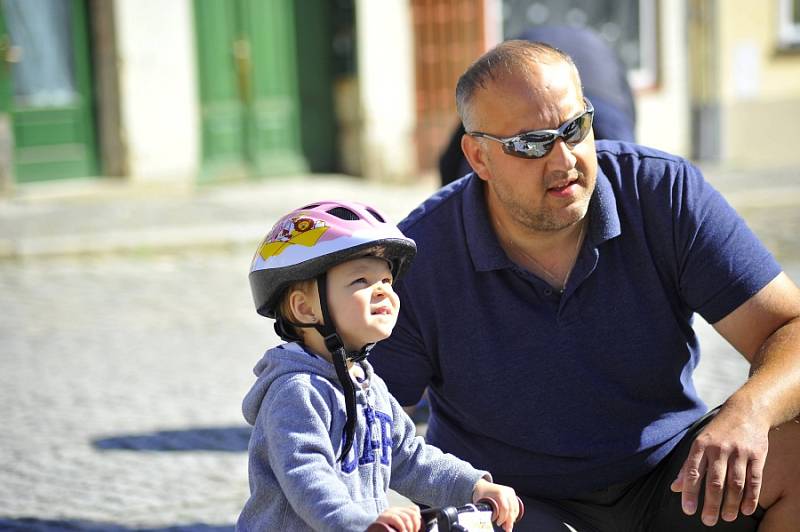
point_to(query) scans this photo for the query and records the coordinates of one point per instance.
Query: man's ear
(476, 156)
(302, 307)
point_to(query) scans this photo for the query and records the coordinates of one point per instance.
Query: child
(328, 438)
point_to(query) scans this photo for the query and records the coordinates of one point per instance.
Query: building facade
(194, 91)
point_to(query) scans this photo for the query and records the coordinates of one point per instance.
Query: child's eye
(360, 280)
(388, 280)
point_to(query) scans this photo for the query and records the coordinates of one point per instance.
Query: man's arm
(731, 451)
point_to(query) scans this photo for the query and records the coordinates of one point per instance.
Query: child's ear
(300, 303)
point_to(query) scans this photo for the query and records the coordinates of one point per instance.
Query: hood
(278, 361)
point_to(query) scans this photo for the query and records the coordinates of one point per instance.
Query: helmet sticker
(299, 230)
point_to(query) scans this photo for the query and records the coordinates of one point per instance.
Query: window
(789, 24)
(628, 25)
(44, 76)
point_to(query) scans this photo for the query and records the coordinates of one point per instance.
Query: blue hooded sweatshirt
(297, 410)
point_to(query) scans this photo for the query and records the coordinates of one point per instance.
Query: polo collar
(482, 243)
(603, 215)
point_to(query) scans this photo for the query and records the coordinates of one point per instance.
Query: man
(549, 314)
(605, 83)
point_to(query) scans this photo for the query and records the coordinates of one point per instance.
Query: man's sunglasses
(537, 144)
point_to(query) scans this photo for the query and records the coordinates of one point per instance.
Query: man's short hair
(508, 58)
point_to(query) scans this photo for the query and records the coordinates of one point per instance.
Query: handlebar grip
(493, 503)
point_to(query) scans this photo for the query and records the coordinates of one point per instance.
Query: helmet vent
(344, 214)
(312, 206)
(376, 215)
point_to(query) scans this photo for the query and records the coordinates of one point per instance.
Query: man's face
(545, 194)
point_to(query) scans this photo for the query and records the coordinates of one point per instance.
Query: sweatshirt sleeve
(293, 423)
(424, 473)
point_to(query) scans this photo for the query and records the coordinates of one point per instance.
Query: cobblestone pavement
(121, 378)
(120, 390)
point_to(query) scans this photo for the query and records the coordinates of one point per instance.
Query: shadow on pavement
(48, 525)
(224, 439)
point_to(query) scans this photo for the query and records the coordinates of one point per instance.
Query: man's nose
(561, 156)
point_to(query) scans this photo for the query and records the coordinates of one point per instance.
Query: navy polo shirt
(559, 394)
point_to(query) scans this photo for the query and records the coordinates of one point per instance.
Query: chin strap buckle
(333, 342)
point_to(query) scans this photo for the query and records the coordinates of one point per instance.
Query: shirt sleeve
(424, 473)
(720, 261)
(293, 424)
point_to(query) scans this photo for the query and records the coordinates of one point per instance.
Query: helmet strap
(336, 348)
(284, 328)
(349, 389)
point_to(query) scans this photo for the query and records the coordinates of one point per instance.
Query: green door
(49, 101)
(325, 51)
(248, 88)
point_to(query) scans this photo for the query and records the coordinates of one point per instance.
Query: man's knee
(781, 489)
(543, 517)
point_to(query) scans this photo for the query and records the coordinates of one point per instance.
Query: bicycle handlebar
(484, 505)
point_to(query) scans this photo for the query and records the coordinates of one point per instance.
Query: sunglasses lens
(577, 130)
(530, 146)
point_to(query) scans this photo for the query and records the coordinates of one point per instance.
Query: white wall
(158, 89)
(759, 88)
(663, 111)
(386, 89)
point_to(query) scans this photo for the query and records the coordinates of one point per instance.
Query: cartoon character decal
(299, 230)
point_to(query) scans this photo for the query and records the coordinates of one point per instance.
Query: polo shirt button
(548, 292)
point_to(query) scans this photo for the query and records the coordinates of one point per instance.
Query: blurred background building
(205, 91)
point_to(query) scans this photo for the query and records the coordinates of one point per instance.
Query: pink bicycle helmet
(310, 240)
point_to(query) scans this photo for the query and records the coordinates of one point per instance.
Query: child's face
(363, 303)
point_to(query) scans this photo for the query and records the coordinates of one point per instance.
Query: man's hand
(729, 454)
